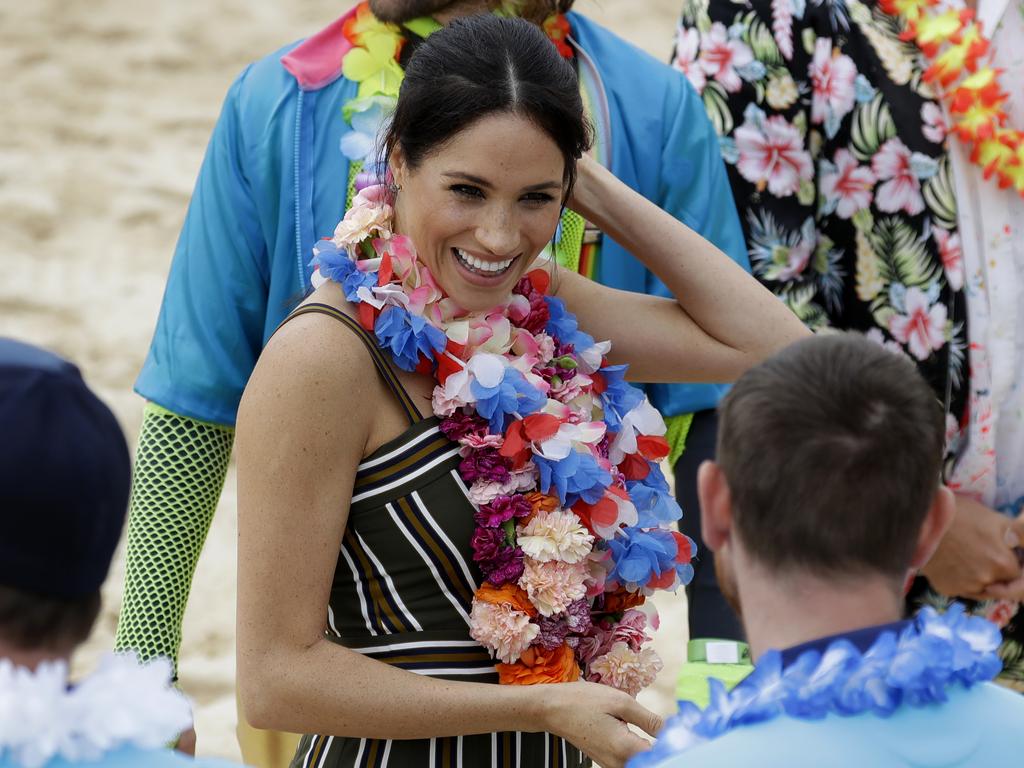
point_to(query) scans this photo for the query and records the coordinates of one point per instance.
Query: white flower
(555, 535)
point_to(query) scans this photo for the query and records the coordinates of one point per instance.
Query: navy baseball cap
(65, 476)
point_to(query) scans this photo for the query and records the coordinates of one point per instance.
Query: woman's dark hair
(31, 622)
(482, 65)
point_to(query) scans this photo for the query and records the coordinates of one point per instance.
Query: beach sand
(108, 106)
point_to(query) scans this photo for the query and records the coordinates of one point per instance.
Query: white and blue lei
(915, 669)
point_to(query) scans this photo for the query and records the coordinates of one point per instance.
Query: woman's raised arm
(723, 320)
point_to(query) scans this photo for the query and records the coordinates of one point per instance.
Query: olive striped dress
(403, 589)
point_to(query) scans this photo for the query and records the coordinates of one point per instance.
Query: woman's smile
(482, 270)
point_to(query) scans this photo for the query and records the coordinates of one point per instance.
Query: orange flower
(540, 502)
(539, 666)
(506, 593)
(621, 600)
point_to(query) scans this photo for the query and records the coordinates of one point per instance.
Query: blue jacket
(978, 728)
(274, 181)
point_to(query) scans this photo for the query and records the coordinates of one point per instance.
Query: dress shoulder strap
(370, 342)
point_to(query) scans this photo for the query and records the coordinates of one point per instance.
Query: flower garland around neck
(559, 454)
(372, 61)
(124, 703)
(953, 43)
(932, 655)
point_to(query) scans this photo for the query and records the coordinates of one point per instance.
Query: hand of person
(593, 717)
(585, 191)
(1011, 590)
(187, 742)
(976, 553)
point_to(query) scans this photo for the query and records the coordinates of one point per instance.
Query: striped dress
(403, 589)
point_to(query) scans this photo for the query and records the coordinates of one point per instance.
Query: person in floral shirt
(847, 179)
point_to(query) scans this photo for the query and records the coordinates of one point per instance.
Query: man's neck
(31, 658)
(783, 612)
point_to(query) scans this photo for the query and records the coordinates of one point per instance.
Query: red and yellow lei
(953, 42)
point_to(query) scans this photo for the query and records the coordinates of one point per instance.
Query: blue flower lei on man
(560, 457)
(914, 668)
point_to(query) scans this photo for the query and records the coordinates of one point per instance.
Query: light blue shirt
(978, 728)
(274, 181)
(133, 757)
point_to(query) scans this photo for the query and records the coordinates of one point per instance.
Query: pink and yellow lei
(575, 521)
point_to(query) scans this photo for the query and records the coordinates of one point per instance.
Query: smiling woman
(394, 566)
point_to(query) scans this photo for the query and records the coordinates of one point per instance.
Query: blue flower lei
(916, 668)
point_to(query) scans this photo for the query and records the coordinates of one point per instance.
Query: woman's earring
(394, 188)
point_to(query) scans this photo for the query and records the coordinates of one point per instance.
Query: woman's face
(482, 206)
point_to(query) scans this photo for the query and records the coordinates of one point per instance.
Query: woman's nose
(499, 233)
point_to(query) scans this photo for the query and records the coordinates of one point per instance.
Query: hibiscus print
(846, 186)
(721, 56)
(922, 327)
(685, 59)
(933, 122)
(771, 154)
(832, 76)
(902, 189)
(952, 256)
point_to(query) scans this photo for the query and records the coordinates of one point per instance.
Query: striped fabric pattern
(403, 589)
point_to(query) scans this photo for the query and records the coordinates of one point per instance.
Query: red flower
(534, 428)
(557, 28)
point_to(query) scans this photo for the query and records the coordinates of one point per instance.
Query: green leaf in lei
(758, 36)
(871, 127)
(373, 64)
(939, 197)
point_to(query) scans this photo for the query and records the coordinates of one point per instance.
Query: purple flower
(505, 568)
(503, 508)
(537, 319)
(460, 424)
(577, 617)
(487, 543)
(486, 464)
(553, 631)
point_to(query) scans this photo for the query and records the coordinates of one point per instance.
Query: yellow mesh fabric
(567, 249)
(180, 465)
(678, 429)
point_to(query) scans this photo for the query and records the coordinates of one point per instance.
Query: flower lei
(935, 653)
(123, 703)
(372, 62)
(953, 43)
(560, 456)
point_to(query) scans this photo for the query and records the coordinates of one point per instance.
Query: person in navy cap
(64, 481)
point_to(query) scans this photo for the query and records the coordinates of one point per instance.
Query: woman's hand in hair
(594, 718)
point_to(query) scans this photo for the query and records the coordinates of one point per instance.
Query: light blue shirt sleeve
(210, 329)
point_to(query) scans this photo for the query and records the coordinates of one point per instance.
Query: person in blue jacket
(823, 502)
(277, 175)
(64, 481)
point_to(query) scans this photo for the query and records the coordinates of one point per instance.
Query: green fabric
(678, 429)
(180, 465)
(569, 245)
(692, 681)
(424, 26)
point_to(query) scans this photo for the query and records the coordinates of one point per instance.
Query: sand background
(107, 106)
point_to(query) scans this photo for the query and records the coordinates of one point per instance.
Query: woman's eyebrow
(481, 182)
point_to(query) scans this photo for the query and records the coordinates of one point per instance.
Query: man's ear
(934, 527)
(715, 505)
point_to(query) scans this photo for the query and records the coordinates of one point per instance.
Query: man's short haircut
(33, 622)
(832, 450)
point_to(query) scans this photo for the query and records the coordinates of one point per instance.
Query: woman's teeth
(479, 265)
